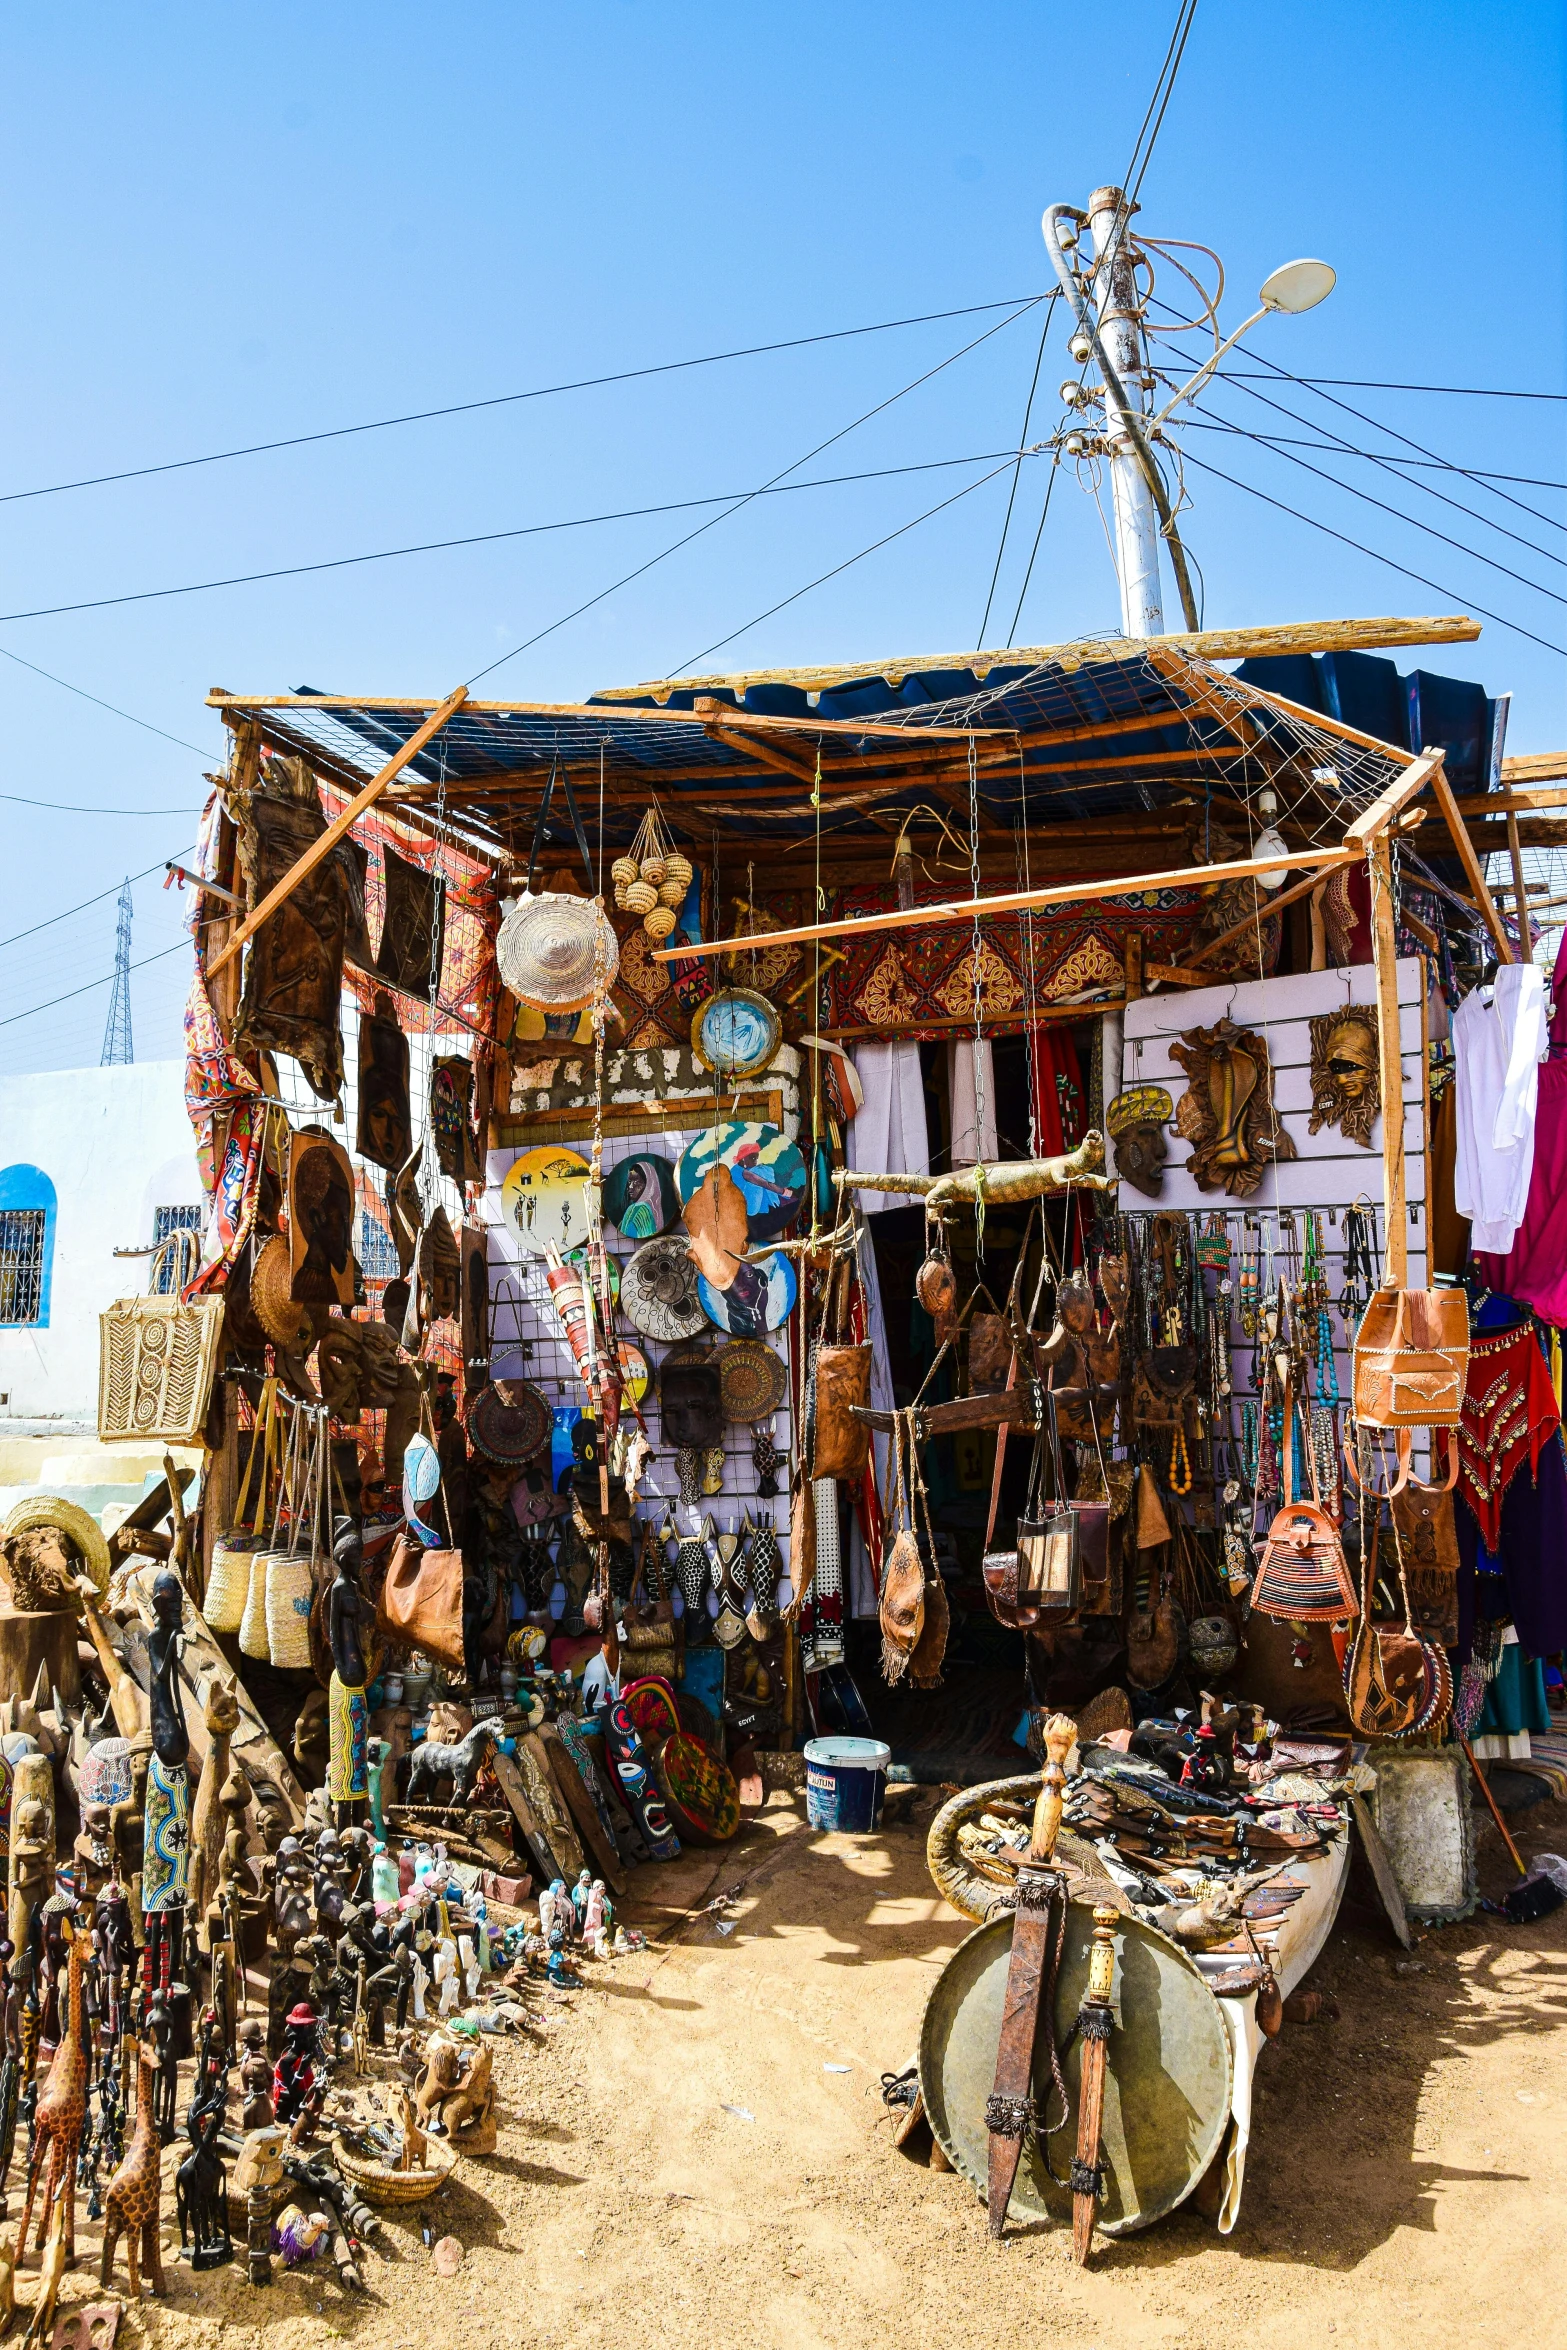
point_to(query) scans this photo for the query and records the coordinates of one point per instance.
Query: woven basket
(253, 1622)
(379, 2183)
(157, 1356)
(228, 1582)
(290, 1589)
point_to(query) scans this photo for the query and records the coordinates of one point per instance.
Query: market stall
(780, 1229)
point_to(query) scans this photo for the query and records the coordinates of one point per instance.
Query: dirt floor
(695, 2146)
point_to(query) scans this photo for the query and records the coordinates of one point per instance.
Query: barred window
(22, 1232)
(377, 1256)
(165, 1221)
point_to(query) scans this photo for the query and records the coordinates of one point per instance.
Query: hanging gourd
(652, 878)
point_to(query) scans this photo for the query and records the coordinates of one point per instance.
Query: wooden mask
(1227, 1112)
(1346, 1084)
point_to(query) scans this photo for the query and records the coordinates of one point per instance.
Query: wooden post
(340, 824)
(1132, 954)
(1520, 891)
(1473, 869)
(1391, 1061)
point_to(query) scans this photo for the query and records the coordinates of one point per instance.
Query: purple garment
(1534, 1270)
(1533, 1558)
(1559, 999)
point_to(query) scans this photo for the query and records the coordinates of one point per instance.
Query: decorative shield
(1167, 2085)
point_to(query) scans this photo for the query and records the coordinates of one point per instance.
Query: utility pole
(117, 1046)
(1121, 342)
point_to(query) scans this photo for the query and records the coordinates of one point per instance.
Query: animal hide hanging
(902, 1607)
(294, 967)
(1227, 1112)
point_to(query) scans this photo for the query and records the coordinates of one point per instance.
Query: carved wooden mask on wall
(1346, 1086)
(1227, 1112)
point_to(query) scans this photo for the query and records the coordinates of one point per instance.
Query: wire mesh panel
(22, 1264)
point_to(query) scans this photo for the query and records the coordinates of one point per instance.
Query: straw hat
(287, 1325)
(658, 1293)
(750, 1380)
(555, 951)
(68, 1518)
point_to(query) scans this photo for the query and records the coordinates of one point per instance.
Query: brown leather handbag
(1302, 1576)
(421, 1601)
(1412, 1358)
(1428, 1549)
(843, 1443)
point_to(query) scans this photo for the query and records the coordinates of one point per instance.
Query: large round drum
(1167, 2083)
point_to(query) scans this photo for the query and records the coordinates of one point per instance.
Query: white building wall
(116, 1144)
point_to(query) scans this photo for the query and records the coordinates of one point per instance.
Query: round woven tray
(378, 2183)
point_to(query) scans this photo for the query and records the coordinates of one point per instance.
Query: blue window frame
(27, 1221)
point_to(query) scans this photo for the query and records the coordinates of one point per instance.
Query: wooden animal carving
(51, 2269)
(62, 2110)
(131, 2202)
(433, 1761)
(1227, 1112)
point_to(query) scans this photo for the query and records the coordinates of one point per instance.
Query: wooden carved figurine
(348, 1770)
(166, 1826)
(1346, 1083)
(61, 2112)
(32, 1845)
(220, 1712)
(131, 2203)
(1227, 1112)
(1135, 1122)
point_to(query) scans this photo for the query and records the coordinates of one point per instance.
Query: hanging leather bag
(1428, 1545)
(1412, 1358)
(843, 1443)
(1302, 1576)
(421, 1601)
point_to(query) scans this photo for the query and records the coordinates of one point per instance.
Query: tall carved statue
(348, 1771)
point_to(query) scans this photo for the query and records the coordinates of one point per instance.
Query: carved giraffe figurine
(62, 2111)
(130, 2205)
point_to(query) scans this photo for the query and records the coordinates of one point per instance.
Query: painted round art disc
(640, 1196)
(760, 1297)
(765, 1164)
(736, 1032)
(544, 1202)
(633, 1370)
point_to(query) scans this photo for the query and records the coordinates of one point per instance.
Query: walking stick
(1094, 2025)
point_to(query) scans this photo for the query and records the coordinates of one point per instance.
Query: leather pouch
(843, 1443)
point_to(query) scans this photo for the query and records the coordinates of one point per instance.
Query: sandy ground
(695, 2147)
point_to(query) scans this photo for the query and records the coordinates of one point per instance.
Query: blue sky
(228, 225)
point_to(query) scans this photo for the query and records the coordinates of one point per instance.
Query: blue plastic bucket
(844, 1782)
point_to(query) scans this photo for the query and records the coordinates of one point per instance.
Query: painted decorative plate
(761, 1297)
(736, 1032)
(766, 1165)
(640, 1196)
(544, 1201)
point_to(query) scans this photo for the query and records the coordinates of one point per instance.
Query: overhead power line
(484, 538)
(740, 504)
(113, 890)
(113, 708)
(586, 383)
(180, 946)
(1345, 540)
(1361, 383)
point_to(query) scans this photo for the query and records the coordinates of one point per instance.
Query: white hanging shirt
(888, 1135)
(1499, 1040)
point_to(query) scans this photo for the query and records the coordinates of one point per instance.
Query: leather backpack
(1412, 1358)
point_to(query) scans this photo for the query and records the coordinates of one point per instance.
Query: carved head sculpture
(1227, 1112)
(1136, 1120)
(1346, 1086)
